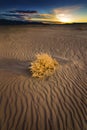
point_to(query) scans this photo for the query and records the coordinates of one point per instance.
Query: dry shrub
(44, 65)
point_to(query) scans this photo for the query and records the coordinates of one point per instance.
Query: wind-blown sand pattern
(54, 103)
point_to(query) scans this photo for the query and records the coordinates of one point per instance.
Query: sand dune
(54, 103)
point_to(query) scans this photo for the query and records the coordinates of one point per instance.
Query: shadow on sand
(16, 66)
(23, 67)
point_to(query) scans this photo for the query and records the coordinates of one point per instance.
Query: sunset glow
(64, 18)
(29, 11)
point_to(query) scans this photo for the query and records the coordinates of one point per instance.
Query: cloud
(43, 16)
(66, 10)
(26, 15)
(67, 14)
(46, 18)
(18, 14)
(24, 11)
(56, 15)
(29, 15)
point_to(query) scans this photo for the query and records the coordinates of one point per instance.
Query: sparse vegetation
(44, 65)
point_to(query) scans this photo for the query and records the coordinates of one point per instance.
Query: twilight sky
(47, 11)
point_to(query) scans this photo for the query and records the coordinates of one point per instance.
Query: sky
(46, 11)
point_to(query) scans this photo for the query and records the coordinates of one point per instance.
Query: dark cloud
(18, 14)
(11, 17)
(23, 11)
(15, 15)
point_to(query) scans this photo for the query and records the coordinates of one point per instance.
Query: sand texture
(54, 103)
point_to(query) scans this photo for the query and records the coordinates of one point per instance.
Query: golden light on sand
(64, 18)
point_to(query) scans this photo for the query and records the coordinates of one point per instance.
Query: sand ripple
(54, 103)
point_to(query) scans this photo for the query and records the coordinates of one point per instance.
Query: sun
(64, 18)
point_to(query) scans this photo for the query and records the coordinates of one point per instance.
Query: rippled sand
(54, 103)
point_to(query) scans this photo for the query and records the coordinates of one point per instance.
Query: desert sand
(54, 103)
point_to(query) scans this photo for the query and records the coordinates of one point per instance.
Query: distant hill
(15, 22)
